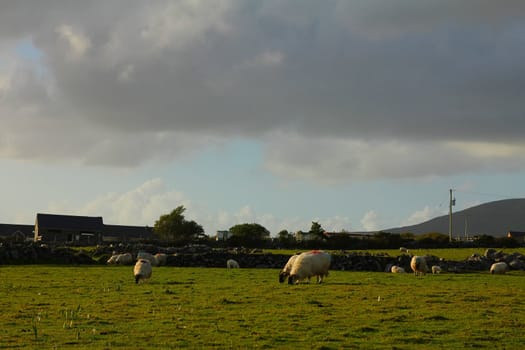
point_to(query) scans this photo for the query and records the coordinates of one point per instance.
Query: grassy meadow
(455, 254)
(100, 307)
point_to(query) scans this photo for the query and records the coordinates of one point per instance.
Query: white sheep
(121, 259)
(436, 269)
(499, 268)
(285, 272)
(308, 264)
(397, 269)
(232, 264)
(418, 264)
(142, 270)
(147, 256)
(403, 250)
(161, 259)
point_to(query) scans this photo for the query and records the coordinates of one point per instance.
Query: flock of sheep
(419, 266)
(299, 268)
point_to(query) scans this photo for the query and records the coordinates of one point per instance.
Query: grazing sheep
(403, 250)
(161, 259)
(285, 272)
(436, 269)
(499, 268)
(232, 264)
(113, 259)
(147, 256)
(142, 270)
(121, 259)
(418, 264)
(397, 269)
(308, 264)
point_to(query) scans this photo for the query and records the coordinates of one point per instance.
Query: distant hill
(493, 218)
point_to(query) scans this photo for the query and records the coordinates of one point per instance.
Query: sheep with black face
(308, 264)
(285, 272)
(142, 270)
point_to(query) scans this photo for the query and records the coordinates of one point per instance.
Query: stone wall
(203, 256)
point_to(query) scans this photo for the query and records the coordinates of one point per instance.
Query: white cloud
(423, 215)
(489, 149)
(78, 43)
(139, 206)
(337, 224)
(371, 221)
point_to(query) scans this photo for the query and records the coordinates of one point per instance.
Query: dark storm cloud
(372, 73)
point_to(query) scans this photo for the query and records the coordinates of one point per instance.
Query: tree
(317, 230)
(248, 234)
(285, 238)
(174, 227)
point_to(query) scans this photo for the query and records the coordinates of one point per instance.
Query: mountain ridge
(492, 218)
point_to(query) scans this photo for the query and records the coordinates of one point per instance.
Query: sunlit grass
(101, 307)
(456, 254)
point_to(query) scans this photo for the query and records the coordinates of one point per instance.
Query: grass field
(100, 307)
(455, 254)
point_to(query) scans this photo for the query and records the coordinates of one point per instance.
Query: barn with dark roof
(84, 230)
(53, 228)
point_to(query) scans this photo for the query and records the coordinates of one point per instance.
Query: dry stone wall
(204, 256)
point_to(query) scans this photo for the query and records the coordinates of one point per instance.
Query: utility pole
(451, 203)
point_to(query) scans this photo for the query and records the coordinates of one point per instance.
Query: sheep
(285, 272)
(418, 264)
(142, 270)
(147, 256)
(308, 264)
(397, 269)
(113, 259)
(403, 250)
(161, 258)
(121, 259)
(232, 264)
(436, 269)
(499, 268)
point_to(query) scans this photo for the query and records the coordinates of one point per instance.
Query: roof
(128, 231)
(517, 233)
(71, 222)
(9, 229)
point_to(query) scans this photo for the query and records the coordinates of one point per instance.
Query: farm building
(120, 233)
(301, 236)
(52, 228)
(16, 232)
(517, 235)
(84, 230)
(223, 235)
(357, 235)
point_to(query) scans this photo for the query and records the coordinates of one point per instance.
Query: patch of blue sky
(26, 51)
(33, 186)
(229, 176)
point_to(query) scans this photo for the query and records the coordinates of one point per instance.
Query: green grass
(100, 307)
(456, 254)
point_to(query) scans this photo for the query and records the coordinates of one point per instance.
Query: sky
(359, 115)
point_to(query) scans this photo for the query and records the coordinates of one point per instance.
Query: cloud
(423, 215)
(339, 160)
(370, 221)
(335, 91)
(337, 224)
(78, 43)
(140, 206)
(144, 204)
